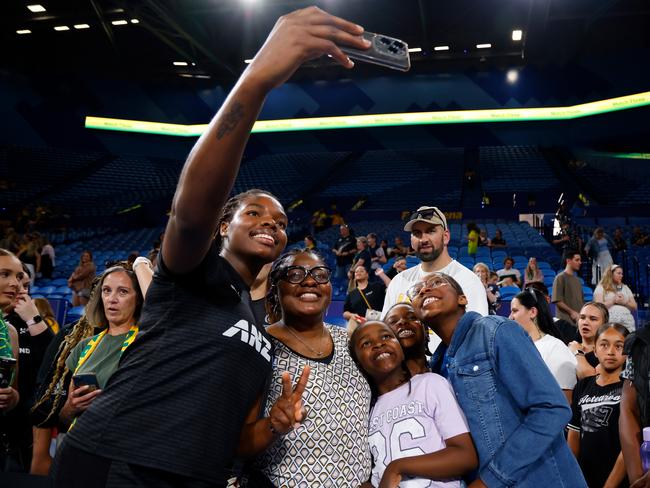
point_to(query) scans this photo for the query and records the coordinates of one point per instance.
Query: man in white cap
(429, 238)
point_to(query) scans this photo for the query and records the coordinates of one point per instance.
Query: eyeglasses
(298, 274)
(435, 282)
(427, 215)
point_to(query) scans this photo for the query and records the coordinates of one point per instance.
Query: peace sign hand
(288, 411)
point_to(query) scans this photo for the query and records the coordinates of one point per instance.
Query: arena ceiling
(211, 39)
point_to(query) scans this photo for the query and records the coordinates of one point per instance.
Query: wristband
(142, 260)
(579, 352)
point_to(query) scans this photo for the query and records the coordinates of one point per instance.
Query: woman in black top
(364, 296)
(172, 413)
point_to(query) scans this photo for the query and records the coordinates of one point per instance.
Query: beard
(427, 257)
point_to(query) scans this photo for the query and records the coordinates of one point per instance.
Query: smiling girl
(418, 432)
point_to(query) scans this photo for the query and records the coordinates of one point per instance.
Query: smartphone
(7, 366)
(86, 379)
(384, 51)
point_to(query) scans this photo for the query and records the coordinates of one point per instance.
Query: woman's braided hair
(81, 330)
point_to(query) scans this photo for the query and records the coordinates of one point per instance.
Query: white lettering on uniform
(251, 335)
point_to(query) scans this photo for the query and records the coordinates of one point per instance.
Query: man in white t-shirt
(429, 238)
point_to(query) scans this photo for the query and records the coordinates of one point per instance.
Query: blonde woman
(491, 290)
(532, 273)
(617, 297)
(45, 311)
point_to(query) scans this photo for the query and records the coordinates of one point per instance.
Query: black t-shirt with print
(595, 415)
(374, 292)
(183, 389)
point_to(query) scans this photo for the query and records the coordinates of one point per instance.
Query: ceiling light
(248, 61)
(61, 28)
(512, 76)
(483, 46)
(23, 31)
(81, 26)
(119, 22)
(441, 48)
(516, 35)
(415, 49)
(205, 77)
(135, 21)
(36, 8)
(180, 63)
(185, 75)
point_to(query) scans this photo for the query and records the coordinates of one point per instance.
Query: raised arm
(629, 431)
(211, 168)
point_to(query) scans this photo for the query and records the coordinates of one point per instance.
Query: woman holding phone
(115, 307)
(198, 332)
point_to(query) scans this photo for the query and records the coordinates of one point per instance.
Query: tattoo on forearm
(230, 119)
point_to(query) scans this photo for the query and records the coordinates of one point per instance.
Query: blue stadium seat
(47, 290)
(59, 282)
(509, 292)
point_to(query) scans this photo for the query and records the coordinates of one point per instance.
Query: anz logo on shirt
(251, 335)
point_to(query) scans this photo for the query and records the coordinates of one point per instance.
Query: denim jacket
(515, 409)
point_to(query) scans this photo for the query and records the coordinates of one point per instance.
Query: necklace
(318, 353)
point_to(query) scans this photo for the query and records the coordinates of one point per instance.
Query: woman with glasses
(329, 447)
(515, 409)
(530, 310)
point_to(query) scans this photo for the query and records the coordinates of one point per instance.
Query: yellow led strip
(381, 120)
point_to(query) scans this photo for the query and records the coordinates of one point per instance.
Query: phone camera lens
(384, 40)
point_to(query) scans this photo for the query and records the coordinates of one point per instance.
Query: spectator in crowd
(491, 289)
(483, 239)
(593, 315)
(45, 311)
(532, 273)
(332, 443)
(515, 409)
(593, 431)
(472, 238)
(412, 336)
(567, 289)
(617, 297)
(568, 330)
(497, 241)
(377, 255)
(10, 241)
(597, 250)
(618, 239)
(11, 273)
(310, 242)
(319, 220)
(361, 258)
(509, 276)
(29, 254)
(399, 248)
(429, 238)
(115, 309)
(635, 405)
(335, 217)
(52, 387)
(530, 310)
(384, 247)
(442, 449)
(81, 278)
(398, 266)
(34, 337)
(639, 237)
(212, 253)
(48, 260)
(344, 249)
(365, 296)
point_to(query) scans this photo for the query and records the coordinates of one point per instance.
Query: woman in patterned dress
(330, 446)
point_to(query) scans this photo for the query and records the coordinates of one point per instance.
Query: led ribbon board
(381, 120)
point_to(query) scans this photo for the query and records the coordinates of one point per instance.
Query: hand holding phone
(384, 50)
(86, 379)
(7, 367)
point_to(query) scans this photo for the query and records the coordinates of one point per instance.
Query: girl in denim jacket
(515, 409)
